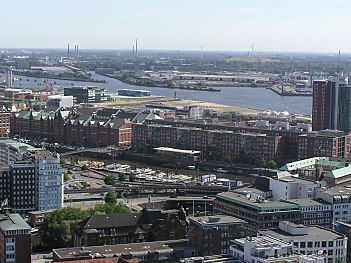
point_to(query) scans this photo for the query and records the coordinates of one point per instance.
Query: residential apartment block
(4, 124)
(324, 143)
(213, 143)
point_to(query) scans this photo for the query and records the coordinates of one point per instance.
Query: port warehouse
(133, 93)
(228, 78)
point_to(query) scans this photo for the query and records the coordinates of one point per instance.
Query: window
(310, 244)
(302, 244)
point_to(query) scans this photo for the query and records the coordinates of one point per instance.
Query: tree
(57, 229)
(110, 197)
(84, 167)
(272, 164)
(110, 180)
(65, 176)
(111, 208)
(132, 177)
(263, 163)
(121, 177)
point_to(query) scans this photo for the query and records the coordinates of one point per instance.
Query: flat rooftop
(338, 191)
(246, 190)
(259, 206)
(167, 149)
(264, 242)
(313, 233)
(17, 145)
(294, 179)
(308, 202)
(217, 220)
(117, 250)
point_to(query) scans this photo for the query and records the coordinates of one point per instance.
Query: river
(256, 98)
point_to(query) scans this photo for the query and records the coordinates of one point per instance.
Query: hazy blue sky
(274, 25)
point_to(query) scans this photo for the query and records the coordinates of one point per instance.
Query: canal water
(256, 98)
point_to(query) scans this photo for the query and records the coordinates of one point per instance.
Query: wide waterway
(256, 98)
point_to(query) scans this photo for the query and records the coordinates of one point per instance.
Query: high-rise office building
(49, 188)
(17, 188)
(323, 105)
(345, 108)
(30, 178)
(331, 107)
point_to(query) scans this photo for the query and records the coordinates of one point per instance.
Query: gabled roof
(112, 220)
(106, 112)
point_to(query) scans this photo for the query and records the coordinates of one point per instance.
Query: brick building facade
(148, 225)
(91, 127)
(213, 143)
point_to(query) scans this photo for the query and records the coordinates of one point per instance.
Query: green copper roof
(18, 145)
(338, 172)
(320, 161)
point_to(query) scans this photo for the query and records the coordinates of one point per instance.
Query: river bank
(149, 83)
(22, 74)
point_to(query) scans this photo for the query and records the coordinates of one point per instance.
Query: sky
(228, 25)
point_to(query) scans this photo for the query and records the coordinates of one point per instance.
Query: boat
(221, 170)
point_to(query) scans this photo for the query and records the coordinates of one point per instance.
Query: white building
(282, 125)
(312, 240)
(266, 249)
(49, 180)
(287, 186)
(196, 113)
(60, 101)
(340, 198)
(258, 249)
(206, 178)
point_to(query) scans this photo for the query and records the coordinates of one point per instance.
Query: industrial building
(133, 93)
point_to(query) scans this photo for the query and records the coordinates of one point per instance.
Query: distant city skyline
(222, 25)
